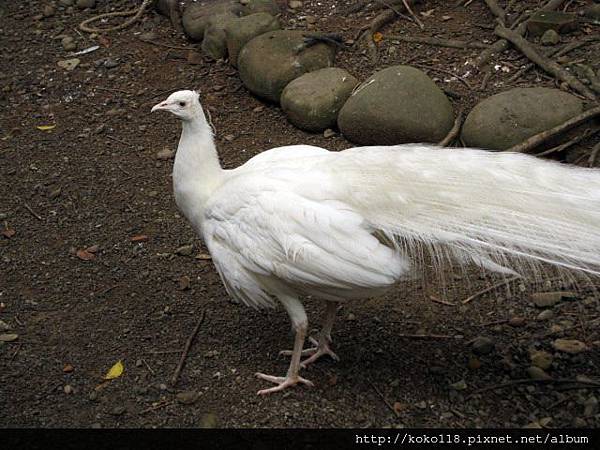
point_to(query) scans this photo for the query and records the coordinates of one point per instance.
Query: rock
(592, 12)
(396, 105)
(260, 6)
(82, 4)
(590, 406)
(482, 345)
(312, 101)
(196, 16)
(517, 321)
(68, 43)
(187, 397)
(536, 373)
(165, 154)
(209, 420)
(508, 118)
(295, 4)
(549, 299)
(547, 314)
(110, 63)
(569, 346)
(185, 250)
(69, 64)
(48, 11)
(240, 31)
(561, 22)
(541, 359)
(270, 61)
(550, 37)
(214, 43)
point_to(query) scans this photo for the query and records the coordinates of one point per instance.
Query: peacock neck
(197, 171)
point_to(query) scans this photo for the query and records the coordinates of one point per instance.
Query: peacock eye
(181, 104)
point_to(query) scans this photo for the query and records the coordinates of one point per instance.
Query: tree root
(136, 13)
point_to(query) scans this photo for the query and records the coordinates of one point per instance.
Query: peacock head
(183, 104)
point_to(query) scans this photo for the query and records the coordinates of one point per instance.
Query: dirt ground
(94, 180)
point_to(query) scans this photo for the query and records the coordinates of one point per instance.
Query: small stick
(163, 352)
(186, 350)
(108, 136)
(159, 406)
(547, 64)
(413, 15)
(148, 366)
(496, 11)
(448, 72)
(453, 131)
(14, 355)
(570, 143)
(381, 396)
(594, 154)
(33, 213)
(584, 384)
(451, 43)
(538, 139)
(440, 301)
(427, 336)
(124, 171)
(105, 291)
(488, 289)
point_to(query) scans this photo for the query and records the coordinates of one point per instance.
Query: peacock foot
(314, 353)
(281, 382)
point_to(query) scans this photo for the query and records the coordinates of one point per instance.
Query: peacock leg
(300, 325)
(322, 346)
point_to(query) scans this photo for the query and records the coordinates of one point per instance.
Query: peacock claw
(314, 353)
(281, 382)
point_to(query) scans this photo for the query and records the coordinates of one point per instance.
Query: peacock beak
(160, 106)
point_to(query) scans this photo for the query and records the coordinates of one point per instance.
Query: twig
(124, 171)
(186, 349)
(538, 139)
(148, 366)
(497, 11)
(33, 213)
(14, 355)
(112, 138)
(163, 352)
(440, 301)
(105, 291)
(136, 13)
(548, 65)
(451, 43)
(413, 15)
(584, 384)
(594, 154)
(569, 143)
(453, 131)
(488, 289)
(486, 79)
(427, 336)
(495, 49)
(381, 396)
(159, 406)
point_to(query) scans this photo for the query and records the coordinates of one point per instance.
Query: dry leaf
(115, 371)
(46, 127)
(203, 256)
(377, 37)
(8, 232)
(84, 255)
(139, 238)
(68, 368)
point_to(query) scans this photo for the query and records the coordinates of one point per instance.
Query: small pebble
(68, 389)
(569, 346)
(546, 314)
(535, 373)
(482, 345)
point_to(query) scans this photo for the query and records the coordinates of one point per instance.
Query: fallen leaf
(8, 232)
(203, 256)
(8, 337)
(68, 368)
(377, 37)
(139, 238)
(46, 127)
(115, 371)
(84, 255)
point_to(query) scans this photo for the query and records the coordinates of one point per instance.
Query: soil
(94, 180)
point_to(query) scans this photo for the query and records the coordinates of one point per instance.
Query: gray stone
(69, 64)
(482, 345)
(240, 31)
(549, 299)
(196, 16)
(569, 346)
(508, 118)
(214, 43)
(68, 43)
(270, 61)
(550, 37)
(261, 6)
(82, 4)
(561, 22)
(48, 11)
(187, 397)
(312, 101)
(541, 359)
(396, 105)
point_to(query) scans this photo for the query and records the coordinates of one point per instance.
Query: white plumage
(301, 220)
